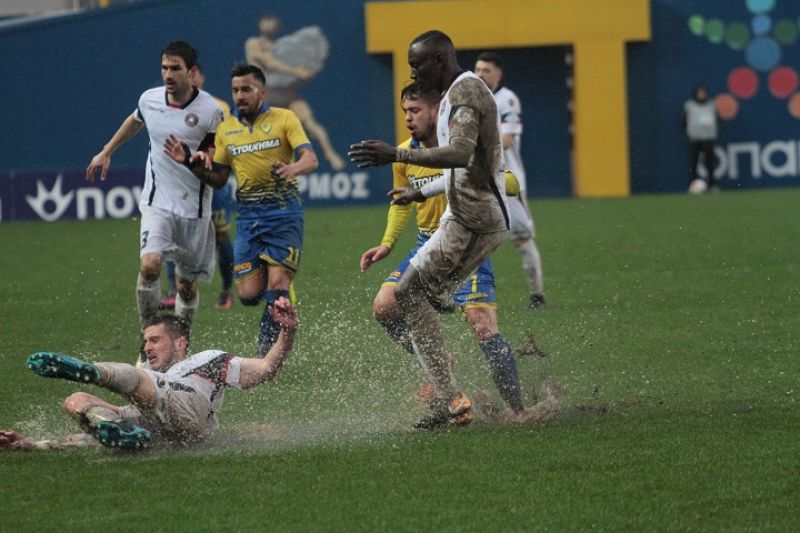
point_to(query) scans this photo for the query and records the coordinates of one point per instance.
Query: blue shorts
(267, 234)
(221, 208)
(477, 291)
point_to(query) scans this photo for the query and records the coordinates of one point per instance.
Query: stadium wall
(71, 80)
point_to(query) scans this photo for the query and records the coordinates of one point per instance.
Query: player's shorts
(221, 208)
(478, 291)
(189, 242)
(179, 415)
(451, 255)
(521, 221)
(267, 235)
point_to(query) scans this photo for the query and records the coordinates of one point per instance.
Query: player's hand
(373, 255)
(371, 153)
(207, 158)
(99, 162)
(282, 170)
(283, 312)
(405, 195)
(176, 149)
(11, 440)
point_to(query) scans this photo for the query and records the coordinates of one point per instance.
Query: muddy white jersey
(475, 194)
(170, 185)
(510, 111)
(205, 373)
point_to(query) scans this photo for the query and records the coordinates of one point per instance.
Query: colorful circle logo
(761, 41)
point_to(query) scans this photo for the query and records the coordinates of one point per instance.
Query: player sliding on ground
(176, 402)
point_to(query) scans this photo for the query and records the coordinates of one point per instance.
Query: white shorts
(521, 221)
(451, 254)
(178, 416)
(187, 241)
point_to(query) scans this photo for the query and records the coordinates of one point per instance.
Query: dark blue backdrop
(70, 81)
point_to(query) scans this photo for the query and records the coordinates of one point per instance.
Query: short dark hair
(417, 91)
(492, 57)
(183, 50)
(176, 327)
(437, 38)
(243, 69)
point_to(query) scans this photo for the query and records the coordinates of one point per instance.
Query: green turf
(672, 327)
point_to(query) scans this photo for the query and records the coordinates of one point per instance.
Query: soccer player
(176, 400)
(476, 297)
(475, 221)
(266, 148)
(175, 205)
(489, 68)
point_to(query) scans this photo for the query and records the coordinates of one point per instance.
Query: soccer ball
(698, 186)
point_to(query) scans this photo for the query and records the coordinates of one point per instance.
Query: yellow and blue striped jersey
(250, 151)
(428, 212)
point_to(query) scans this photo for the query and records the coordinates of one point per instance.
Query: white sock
(148, 294)
(532, 264)
(118, 377)
(186, 309)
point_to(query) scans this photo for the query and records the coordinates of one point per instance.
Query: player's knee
(150, 268)
(187, 289)
(484, 331)
(384, 308)
(483, 323)
(75, 403)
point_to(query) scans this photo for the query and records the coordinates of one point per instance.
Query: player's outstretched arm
(372, 153)
(201, 163)
(256, 371)
(130, 127)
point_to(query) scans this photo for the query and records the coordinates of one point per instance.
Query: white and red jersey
(509, 110)
(170, 185)
(205, 373)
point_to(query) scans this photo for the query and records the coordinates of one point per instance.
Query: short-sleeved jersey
(510, 111)
(428, 212)
(205, 373)
(475, 194)
(251, 150)
(170, 185)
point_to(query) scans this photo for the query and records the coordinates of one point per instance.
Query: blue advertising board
(71, 80)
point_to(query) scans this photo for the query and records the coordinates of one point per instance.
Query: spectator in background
(700, 124)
